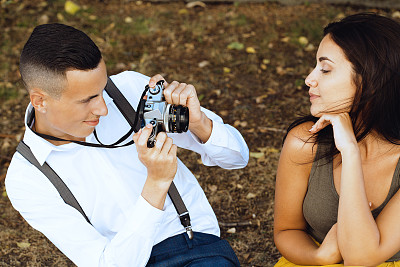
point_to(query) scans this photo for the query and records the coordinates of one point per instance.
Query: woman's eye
(325, 71)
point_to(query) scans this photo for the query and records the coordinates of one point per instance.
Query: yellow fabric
(285, 263)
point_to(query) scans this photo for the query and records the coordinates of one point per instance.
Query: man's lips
(92, 122)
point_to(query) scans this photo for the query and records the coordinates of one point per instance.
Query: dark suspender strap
(122, 104)
(61, 187)
(181, 209)
(126, 110)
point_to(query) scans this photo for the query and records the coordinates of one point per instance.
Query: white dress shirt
(108, 183)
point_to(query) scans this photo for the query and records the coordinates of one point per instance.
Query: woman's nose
(310, 81)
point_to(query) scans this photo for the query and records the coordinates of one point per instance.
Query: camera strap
(123, 106)
(132, 117)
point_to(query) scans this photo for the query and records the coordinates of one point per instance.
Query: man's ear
(38, 99)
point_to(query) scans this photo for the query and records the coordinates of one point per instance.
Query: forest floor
(248, 63)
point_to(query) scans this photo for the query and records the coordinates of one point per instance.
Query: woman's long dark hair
(372, 45)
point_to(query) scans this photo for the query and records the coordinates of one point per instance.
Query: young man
(122, 191)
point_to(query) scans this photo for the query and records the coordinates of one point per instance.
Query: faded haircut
(51, 51)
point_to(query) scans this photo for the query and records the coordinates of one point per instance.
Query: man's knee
(211, 262)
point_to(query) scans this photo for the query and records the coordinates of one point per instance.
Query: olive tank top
(320, 206)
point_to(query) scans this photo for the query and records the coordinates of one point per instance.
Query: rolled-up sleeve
(225, 148)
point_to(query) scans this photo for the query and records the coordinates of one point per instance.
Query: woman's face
(332, 88)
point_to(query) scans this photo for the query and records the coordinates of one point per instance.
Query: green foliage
(140, 25)
(304, 26)
(8, 92)
(299, 83)
(240, 20)
(236, 46)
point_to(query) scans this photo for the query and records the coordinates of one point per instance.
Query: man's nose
(100, 108)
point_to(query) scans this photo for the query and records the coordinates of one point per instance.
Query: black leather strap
(61, 187)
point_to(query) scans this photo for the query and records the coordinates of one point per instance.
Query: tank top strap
(394, 187)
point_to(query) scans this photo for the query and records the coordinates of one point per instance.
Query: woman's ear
(38, 99)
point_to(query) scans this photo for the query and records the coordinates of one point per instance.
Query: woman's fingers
(342, 126)
(321, 123)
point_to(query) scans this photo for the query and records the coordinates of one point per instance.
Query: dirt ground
(248, 63)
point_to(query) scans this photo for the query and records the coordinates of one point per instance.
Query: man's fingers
(155, 79)
(136, 135)
(144, 135)
(167, 146)
(161, 137)
(173, 150)
(189, 91)
(176, 94)
(168, 91)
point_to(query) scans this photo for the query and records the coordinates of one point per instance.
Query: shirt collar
(41, 148)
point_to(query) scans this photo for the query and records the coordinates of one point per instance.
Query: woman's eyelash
(325, 71)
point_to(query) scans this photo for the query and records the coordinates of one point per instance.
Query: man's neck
(38, 127)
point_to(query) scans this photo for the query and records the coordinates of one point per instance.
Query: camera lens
(178, 119)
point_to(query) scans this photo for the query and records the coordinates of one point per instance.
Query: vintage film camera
(163, 116)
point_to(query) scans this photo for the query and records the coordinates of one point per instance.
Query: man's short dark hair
(53, 49)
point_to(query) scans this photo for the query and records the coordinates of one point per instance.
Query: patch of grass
(304, 26)
(269, 36)
(239, 20)
(8, 92)
(299, 83)
(140, 25)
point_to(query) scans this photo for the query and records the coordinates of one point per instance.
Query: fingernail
(140, 130)
(149, 126)
(152, 84)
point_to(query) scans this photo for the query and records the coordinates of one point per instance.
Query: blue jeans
(202, 251)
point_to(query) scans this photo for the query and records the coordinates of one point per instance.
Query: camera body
(163, 116)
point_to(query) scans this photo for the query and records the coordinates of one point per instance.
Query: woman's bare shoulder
(300, 143)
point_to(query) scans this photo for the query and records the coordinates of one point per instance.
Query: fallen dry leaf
(71, 8)
(23, 244)
(250, 50)
(231, 230)
(251, 195)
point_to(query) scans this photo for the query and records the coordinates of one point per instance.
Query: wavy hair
(371, 43)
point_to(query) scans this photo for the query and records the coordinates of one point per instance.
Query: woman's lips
(312, 96)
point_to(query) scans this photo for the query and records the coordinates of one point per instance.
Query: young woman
(337, 200)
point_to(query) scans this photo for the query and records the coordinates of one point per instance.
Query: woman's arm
(361, 239)
(290, 236)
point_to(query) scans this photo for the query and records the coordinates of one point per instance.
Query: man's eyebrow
(324, 58)
(88, 98)
(91, 97)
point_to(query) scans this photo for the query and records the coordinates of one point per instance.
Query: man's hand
(161, 164)
(185, 95)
